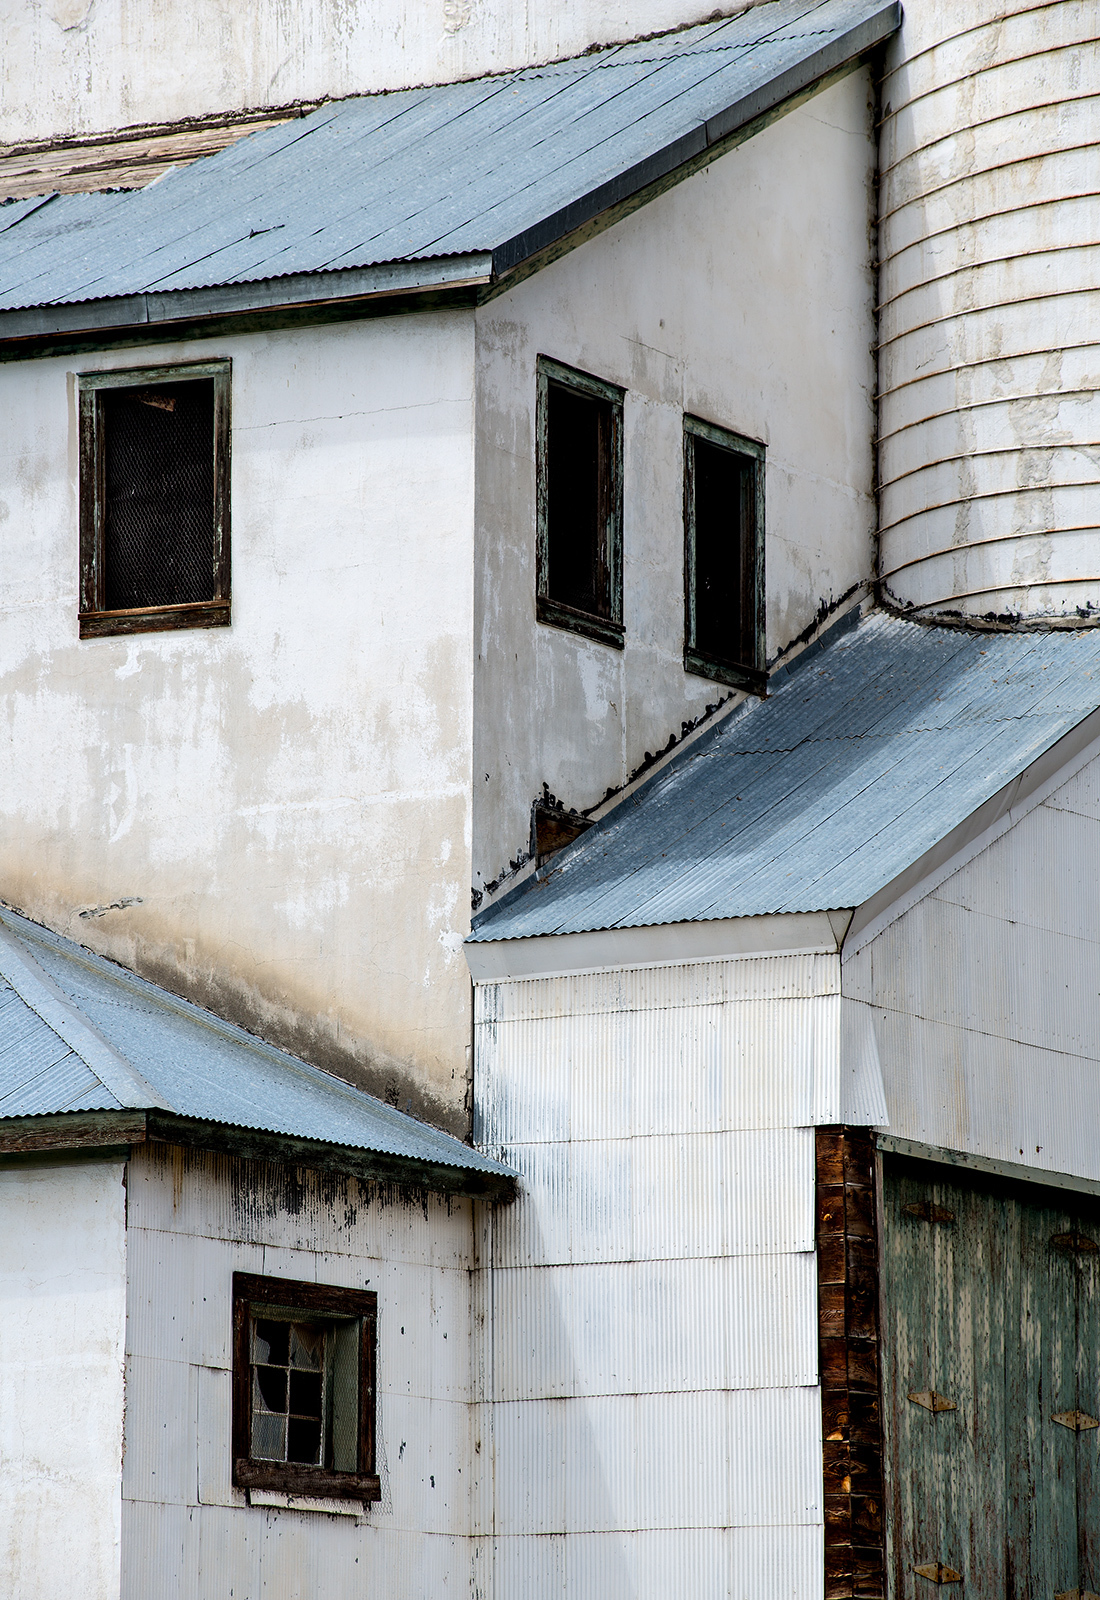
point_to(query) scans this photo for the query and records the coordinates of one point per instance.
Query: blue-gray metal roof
(78, 1033)
(862, 759)
(484, 173)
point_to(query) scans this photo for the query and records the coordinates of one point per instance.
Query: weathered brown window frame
(606, 629)
(741, 674)
(313, 1300)
(95, 620)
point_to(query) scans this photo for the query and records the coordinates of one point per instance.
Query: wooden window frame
(96, 621)
(314, 1300)
(752, 674)
(606, 630)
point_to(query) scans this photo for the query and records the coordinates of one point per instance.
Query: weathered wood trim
(850, 1363)
(291, 1477)
(71, 1130)
(258, 1145)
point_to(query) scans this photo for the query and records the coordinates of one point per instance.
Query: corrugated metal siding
(620, 1463)
(655, 1327)
(653, 1294)
(984, 996)
(734, 1563)
(988, 233)
(863, 758)
(443, 171)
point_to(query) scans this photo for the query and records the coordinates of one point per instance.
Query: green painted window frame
(740, 670)
(95, 619)
(605, 627)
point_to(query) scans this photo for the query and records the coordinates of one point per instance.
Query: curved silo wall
(989, 456)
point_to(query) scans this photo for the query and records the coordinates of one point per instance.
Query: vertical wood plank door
(991, 1387)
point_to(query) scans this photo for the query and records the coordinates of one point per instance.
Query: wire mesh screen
(158, 535)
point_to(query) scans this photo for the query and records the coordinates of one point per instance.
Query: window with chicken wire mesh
(723, 556)
(303, 1388)
(154, 499)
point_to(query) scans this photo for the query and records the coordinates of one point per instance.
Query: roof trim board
(457, 190)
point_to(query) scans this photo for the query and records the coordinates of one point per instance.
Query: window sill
(311, 1482)
(753, 679)
(155, 619)
(557, 615)
(276, 1500)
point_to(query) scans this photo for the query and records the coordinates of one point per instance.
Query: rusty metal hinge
(927, 1212)
(936, 1572)
(931, 1401)
(1075, 1243)
(1079, 1421)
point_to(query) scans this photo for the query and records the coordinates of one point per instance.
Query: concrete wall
(282, 806)
(652, 1375)
(62, 1326)
(743, 296)
(193, 1221)
(983, 995)
(79, 65)
(989, 377)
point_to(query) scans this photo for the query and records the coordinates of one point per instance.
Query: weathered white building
(617, 526)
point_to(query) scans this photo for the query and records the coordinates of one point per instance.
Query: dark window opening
(154, 500)
(579, 503)
(303, 1388)
(723, 555)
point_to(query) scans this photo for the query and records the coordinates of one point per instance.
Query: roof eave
(300, 297)
(100, 1133)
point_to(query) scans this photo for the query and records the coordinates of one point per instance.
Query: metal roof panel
(453, 169)
(862, 758)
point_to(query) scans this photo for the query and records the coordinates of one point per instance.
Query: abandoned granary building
(549, 946)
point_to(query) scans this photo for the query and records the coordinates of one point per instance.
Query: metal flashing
(916, 1150)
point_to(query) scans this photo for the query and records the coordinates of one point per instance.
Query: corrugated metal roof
(80, 1034)
(499, 164)
(863, 757)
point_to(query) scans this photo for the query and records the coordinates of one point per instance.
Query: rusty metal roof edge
(301, 290)
(705, 142)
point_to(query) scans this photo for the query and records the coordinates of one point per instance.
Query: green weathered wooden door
(991, 1388)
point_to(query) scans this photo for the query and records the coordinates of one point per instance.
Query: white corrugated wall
(984, 996)
(652, 1371)
(989, 457)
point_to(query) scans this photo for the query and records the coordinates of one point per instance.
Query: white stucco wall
(743, 296)
(196, 1219)
(982, 995)
(285, 802)
(80, 65)
(62, 1326)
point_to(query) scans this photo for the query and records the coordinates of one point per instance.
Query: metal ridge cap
(50, 1003)
(150, 309)
(705, 141)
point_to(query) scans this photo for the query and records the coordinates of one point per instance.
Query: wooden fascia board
(71, 1130)
(260, 1145)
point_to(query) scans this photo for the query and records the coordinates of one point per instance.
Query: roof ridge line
(52, 1006)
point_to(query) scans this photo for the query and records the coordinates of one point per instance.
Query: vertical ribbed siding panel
(983, 996)
(989, 231)
(726, 1564)
(657, 1422)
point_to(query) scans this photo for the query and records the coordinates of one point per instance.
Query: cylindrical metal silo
(989, 376)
